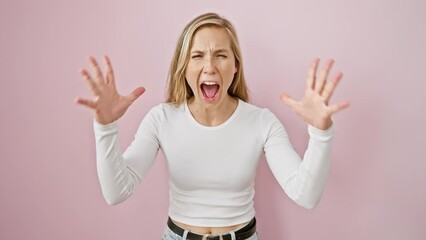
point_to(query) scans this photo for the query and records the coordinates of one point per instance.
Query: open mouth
(210, 90)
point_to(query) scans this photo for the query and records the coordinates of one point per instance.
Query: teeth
(209, 83)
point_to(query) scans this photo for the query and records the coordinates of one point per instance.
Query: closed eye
(196, 56)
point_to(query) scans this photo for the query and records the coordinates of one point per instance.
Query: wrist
(323, 125)
(103, 120)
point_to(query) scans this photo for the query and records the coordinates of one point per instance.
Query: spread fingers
(331, 86)
(310, 82)
(86, 102)
(322, 79)
(93, 86)
(339, 106)
(97, 70)
(109, 70)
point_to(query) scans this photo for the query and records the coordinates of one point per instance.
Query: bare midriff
(209, 230)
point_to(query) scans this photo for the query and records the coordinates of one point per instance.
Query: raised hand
(108, 105)
(314, 108)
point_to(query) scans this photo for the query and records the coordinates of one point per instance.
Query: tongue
(210, 90)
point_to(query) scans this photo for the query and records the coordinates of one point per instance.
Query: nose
(209, 65)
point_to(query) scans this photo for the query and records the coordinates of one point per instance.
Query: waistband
(241, 234)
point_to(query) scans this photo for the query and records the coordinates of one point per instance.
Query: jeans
(170, 235)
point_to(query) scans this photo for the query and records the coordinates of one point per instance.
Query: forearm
(306, 184)
(117, 180)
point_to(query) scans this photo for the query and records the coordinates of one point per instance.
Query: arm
(117, 175)
(120, 174)
(303, 181)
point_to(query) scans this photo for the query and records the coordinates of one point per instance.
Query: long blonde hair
(178, 89)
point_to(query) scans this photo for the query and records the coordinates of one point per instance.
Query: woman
(211, 137)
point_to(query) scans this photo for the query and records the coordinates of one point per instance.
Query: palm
(314, 108)
(108, 105)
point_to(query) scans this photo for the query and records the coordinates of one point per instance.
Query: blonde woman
(211, 137)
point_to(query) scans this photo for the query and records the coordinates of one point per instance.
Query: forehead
(211, 38)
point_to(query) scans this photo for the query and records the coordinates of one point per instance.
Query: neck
(212, 114)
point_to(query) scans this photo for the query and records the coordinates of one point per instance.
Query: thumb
(136, 93)
(288, 100)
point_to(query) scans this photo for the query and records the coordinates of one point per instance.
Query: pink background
(48, 182)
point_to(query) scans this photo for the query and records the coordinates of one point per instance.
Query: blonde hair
(178, 89)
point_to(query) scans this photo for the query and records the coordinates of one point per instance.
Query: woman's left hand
(314, 107)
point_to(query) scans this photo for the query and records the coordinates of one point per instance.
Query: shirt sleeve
(303, 181)
(119, 174)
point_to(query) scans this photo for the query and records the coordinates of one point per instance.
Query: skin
(314, 107)
(212, 59)
(107, 105)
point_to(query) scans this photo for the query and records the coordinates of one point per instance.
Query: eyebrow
(216, 51)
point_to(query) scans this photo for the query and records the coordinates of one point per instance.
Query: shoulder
(261, 119)
(160, 112)
(159, 115)
(252, 111)
(164, 109)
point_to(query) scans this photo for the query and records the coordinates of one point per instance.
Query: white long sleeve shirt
(212, 169)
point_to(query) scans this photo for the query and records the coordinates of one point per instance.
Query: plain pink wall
(48, 183)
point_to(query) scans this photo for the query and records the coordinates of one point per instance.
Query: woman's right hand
(108, 105)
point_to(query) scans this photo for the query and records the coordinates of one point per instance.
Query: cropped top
(212, 169)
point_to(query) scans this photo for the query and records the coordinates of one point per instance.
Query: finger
(85, 102)
(93, 86)
(331, 86)
(289, 100)
(109, 71)
(339, 107)
(310, 82)
(136, 94)
(97, 70)
(320, 82)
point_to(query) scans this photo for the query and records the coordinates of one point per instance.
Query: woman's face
(211, 65)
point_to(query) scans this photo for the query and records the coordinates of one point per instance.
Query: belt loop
(206, 236)
(185, 234)
(233, 237)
